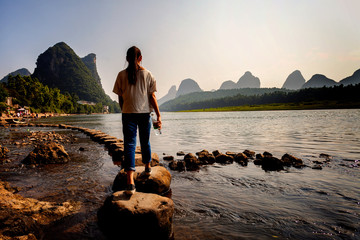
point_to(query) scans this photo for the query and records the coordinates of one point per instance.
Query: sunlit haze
(208, 41)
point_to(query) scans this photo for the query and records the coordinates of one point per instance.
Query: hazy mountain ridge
(318, 81)
(21, 72)
(294, 81)
(209, 96)
(328, 97)
(245, 81)
(353, 79)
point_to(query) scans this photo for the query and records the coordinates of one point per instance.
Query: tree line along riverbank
(336, 97)
(39, 98)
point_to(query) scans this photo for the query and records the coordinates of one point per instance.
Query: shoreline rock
(26, 218)
(141, 216)
(47, 153)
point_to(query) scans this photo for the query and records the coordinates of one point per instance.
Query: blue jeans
(131, 121)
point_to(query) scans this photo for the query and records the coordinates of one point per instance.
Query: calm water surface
(219, 201)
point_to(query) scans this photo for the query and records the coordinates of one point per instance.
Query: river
(218, 201)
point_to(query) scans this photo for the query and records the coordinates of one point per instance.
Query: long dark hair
(132, 56)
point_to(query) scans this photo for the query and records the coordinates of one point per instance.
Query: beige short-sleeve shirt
(135, 97)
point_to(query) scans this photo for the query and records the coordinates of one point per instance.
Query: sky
(207, 40)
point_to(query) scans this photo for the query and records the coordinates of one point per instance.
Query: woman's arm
(155, 105)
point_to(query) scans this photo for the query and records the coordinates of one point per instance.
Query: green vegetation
(283, 106)
(219, 94)
(310, 98)
(28, 91)
(60, 67)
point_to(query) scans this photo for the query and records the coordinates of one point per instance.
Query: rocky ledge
(25, 218)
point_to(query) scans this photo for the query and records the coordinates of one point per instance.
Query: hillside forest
(29, 91)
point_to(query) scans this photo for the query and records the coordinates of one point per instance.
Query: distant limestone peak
(172, 90)
(188, 86)
(228, 85)
(318, 81)
(169, 96)
(90, 62)
(294, 81)
(60, 67)
(248, 81)
(354, 79)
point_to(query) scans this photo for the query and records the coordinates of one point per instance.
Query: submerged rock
(158, 182)
(141, 216)
(46, 153)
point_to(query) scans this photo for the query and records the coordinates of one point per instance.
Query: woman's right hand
(158, 123)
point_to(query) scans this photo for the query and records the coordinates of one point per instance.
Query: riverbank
(26, 218)
(39, 220)
(284, 106)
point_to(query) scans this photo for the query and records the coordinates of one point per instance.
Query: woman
(136, 89)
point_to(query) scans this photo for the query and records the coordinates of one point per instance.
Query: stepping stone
(158, 182)
(140, 216)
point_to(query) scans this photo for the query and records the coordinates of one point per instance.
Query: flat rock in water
(158, 182)
(140, 216)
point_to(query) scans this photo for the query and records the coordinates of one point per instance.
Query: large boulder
(46, 153)
(158, 182)
(140, 216)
